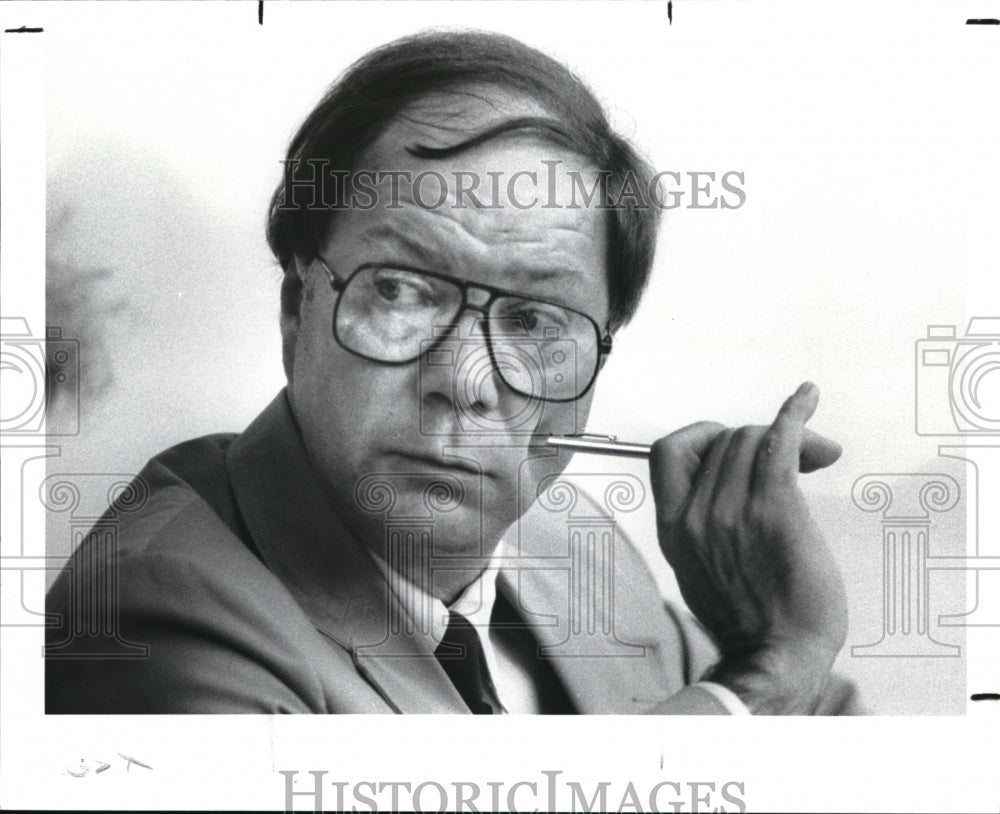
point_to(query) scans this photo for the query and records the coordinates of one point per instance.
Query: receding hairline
(520, 113)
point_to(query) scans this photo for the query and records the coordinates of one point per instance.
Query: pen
(599, 444)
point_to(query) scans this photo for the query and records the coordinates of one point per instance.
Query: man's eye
(534, 318)
(527, 318)
(401, 291)
(388, 289)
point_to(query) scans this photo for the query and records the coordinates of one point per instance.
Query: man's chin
(445, 518)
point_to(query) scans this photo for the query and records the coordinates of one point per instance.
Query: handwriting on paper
(94, 766)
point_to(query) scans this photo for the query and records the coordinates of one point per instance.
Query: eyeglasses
(395, 315)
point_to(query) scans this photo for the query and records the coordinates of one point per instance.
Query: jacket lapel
(601, 622)
(333, 578)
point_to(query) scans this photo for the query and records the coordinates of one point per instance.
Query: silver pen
(599, 444)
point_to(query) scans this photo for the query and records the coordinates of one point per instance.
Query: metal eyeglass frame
(603, 342)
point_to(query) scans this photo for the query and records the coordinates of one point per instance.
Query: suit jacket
(223, 582)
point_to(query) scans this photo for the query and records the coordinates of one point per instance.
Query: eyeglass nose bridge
(441, 332)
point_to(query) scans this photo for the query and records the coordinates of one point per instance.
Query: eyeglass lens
(539, 349)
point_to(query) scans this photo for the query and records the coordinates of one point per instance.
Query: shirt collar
(430, 615)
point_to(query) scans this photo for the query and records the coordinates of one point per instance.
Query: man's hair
(377, 88)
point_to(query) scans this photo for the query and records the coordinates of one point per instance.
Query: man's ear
(291, 304)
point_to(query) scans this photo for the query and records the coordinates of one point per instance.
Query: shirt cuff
(725, 696)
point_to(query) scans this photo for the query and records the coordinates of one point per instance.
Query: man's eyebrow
(432, 261)
(388, 232)
(548, 128)
(544, 273)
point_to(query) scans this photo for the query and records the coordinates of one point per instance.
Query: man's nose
(474, 383)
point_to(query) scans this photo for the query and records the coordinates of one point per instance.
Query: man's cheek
(536, 474)
(563, 418)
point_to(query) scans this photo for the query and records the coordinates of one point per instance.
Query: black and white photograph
(500, 406)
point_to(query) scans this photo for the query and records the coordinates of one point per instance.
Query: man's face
(446, 417)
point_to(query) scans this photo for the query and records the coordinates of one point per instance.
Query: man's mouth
(440, 462)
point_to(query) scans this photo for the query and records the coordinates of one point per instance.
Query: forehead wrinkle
(557, 263)
(438, 249)
(499, 232)
(389, 231)
(452, 238)
(547, 229)
(497, 225)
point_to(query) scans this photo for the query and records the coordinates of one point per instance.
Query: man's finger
(674, 462)
(712, 472)
(781, 447)
(731, 490)
(817, 451)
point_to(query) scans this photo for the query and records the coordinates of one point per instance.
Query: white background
(867, 138)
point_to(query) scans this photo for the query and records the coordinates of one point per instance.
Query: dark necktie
(461, 655)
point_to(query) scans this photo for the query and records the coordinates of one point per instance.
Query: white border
(211, 762)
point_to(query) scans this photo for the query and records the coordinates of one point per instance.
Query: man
(366, 545)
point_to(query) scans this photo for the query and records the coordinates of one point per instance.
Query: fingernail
(805, 388)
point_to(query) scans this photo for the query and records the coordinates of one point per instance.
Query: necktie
(461, 655)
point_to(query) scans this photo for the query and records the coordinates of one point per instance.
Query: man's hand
(750, 561)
